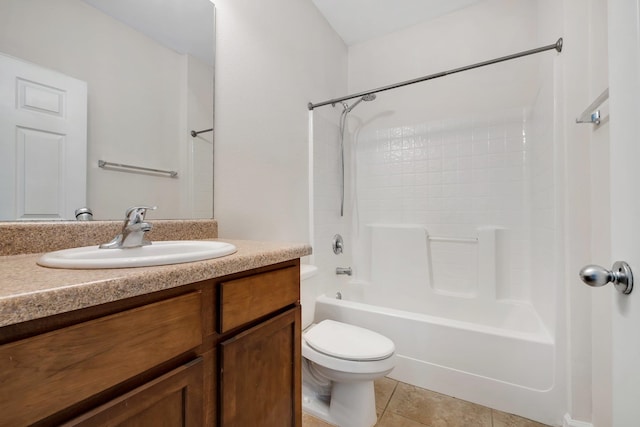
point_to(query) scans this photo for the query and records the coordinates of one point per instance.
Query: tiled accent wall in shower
(453, 176)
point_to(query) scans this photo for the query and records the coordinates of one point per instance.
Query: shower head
(367, 97)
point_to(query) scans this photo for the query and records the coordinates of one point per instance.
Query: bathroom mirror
(148, 69)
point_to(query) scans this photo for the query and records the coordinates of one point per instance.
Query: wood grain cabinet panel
(249, 298)
(173, 400)
(260, 380)
(47, 373)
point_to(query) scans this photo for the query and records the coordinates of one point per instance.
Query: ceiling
(184, 26)
(172, 22)
(360, 20)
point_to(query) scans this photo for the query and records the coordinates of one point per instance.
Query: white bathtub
(493, 353)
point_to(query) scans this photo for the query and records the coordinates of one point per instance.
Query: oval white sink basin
(158, 253)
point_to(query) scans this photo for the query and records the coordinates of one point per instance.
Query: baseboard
(569, 422)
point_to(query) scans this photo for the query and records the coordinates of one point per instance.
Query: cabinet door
(260, 380)
(173, 400)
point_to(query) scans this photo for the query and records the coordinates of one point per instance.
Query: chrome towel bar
(194, 133)
(103, 164)
(591, 114)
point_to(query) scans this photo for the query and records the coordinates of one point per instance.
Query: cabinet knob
(620, 275)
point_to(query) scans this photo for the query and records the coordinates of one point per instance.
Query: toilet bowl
(340, 363)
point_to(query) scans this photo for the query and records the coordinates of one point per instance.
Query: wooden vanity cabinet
(259, 353)
(222, 352)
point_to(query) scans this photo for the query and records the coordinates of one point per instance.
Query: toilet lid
(348, 341)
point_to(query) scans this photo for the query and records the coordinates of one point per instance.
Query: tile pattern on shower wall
(453, 176)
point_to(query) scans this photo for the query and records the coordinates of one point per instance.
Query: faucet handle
(137, 213)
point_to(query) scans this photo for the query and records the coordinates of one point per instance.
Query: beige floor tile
(309, 421)
(435, 409)
(389, 419)
(384, 388)
(502, 419)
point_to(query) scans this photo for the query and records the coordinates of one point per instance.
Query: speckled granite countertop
(29, 291)
(30, 237)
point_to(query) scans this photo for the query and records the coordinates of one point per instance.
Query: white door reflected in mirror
(43, 142)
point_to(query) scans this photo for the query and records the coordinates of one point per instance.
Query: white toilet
(340, 363)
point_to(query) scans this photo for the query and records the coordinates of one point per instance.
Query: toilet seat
(348, 342)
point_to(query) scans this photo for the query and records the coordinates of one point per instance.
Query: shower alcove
(451, 214)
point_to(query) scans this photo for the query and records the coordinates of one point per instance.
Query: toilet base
(352, 404)
(315, 405)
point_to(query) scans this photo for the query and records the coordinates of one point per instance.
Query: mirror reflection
(144, 71)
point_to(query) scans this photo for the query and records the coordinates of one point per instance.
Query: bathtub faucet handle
(344, 270)
(337, 244)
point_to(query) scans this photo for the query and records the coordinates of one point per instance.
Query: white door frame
(624, 89)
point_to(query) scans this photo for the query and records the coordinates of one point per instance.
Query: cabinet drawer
(175, 399)
(249, 298)
(44, 374)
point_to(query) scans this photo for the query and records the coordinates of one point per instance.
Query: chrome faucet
(132, 234)
(344, 270)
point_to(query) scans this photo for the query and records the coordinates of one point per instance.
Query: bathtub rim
(542, 336)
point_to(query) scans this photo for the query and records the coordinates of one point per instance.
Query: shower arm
(557, 46)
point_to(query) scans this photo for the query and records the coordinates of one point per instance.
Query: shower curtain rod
(557, 46)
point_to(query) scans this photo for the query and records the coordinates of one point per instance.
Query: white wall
(136, 91)
(272, 59)
(585, 208)
(582, 206)
(197, 187)
(577, 212)
(488, 30)
(600, 206)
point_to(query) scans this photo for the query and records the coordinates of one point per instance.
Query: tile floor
(403, 405)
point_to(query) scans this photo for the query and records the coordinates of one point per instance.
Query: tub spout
(343, 270)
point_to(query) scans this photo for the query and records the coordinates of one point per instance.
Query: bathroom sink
(158, 253)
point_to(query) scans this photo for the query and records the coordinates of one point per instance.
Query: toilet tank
(309, 288)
